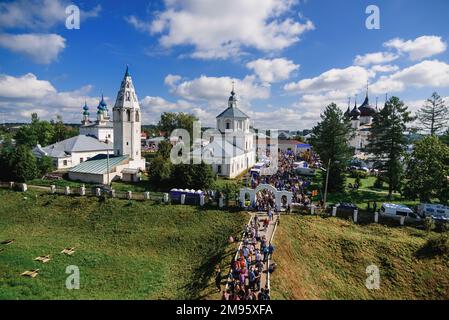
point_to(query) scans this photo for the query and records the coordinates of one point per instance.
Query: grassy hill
(124, 249)
(326, 258)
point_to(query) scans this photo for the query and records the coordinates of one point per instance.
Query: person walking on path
(218, 278)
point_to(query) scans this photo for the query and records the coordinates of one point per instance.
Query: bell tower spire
(127, 121)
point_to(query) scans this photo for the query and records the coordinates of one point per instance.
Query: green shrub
(359, 174)
(429, 224)
(438, 246)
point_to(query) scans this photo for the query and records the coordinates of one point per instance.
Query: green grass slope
(124, 249)
(326, 258)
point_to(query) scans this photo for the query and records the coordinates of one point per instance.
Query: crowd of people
(247, 270)
(286, 179)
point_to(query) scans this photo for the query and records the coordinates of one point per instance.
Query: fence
(85, 191)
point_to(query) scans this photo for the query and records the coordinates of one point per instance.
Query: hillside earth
(326, 258)
(124, 249)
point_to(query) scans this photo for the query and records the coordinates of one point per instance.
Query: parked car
(397, 211)
(345, 207)
(437, 212)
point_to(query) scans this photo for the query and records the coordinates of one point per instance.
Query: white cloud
(274, 70)
(38, 14)
(216, 89)
(42, 48)
(375, 58)
(428, 73)
(138, 24)
(420, 48)
(23, 95)
(349, 80)
(24, 87)
(386, 68)
(222, 29)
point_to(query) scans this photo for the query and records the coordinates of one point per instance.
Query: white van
(436, 211)
(397, 211)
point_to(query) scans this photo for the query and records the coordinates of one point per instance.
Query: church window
(64, 162)
(127, 96)
(228, 125)
(128, 115)
(127, 143)
(137, 116)
(219, 168)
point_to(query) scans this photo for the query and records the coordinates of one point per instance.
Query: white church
(361, 121)
(232, 148)
(125, 161)
(101, 129)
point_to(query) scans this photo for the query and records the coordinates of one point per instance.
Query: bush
(378, 184)
(437, 246)
(429, 224)
(359, 174)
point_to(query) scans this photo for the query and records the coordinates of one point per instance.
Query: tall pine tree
(434, 114)
(329, 140)
(387, 141)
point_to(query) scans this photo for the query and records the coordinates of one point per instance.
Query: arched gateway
(253, 193)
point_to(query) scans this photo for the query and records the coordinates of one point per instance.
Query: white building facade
(127, 124)
(124, 161)
(361, 121)
(73, 151)
(102, 128)
(232, 149)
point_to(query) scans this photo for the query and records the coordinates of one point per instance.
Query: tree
(164, 149)
(61, 131)
(445, 137)
(434, 114)
(37, 131)
(160, 172)
(204, 176)
(329, 140)
(427, 170)
(388, 142)
(23, 164)
(6, 151)
(45, 165)
(170, 121)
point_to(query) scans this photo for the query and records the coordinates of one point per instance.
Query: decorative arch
(253, 192)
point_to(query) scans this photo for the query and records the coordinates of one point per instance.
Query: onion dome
(355, 112)
(347, 113)
(366, 110)
(102, 106)
(86, 109)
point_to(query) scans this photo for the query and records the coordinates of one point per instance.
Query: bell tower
(127, 122)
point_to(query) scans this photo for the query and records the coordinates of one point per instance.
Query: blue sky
(288, 58)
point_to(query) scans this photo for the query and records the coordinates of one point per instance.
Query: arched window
(137, 116)
(228, 125)
(128, 115)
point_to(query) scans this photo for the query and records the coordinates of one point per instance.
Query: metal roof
(99, 164)
(232, 112)
(79, 143)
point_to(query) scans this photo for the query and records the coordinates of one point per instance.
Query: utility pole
(107, 161)
(327, 181)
